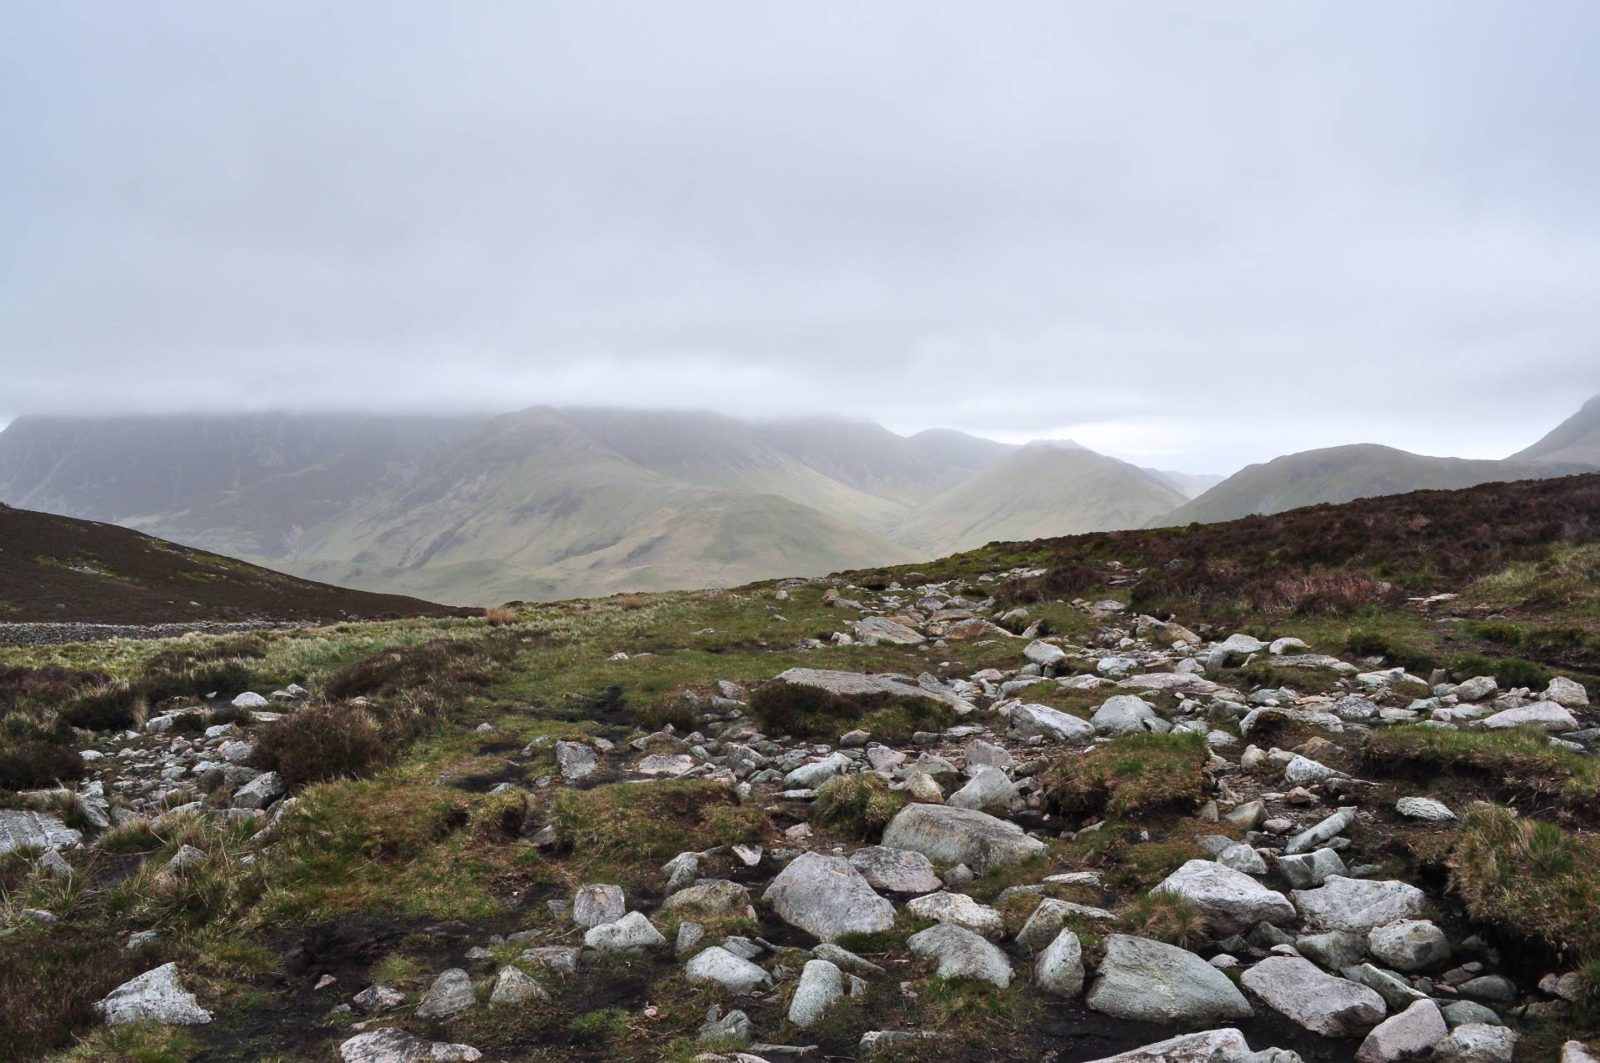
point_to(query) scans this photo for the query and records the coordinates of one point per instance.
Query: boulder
(895, 870)
(1408, 1035)
(989, 790)
(950, 836)
(597, 904)
(1477, 1043)
(1029, 720)
(1358, 905)
(20, 829)
(260, 791)
(821, 987)
(1044, 654)
(1409, 945)
(1204, 1047)
(959, 910)
(575, 760)
(1308, 870)
(810, 776)
(1424, 808)
(962, 954)
(1322, 1003)
(632, 933)
(1149, 981)
(877, 630)
(1231, 901)
(392, 1045)
(719, 966)
(857, 684)
(449, 995)
(512, 987)
(1059, 969)
(1324, 832)
(155, 996)
(1567, 693)
(1543, 715)
(826, 897)
(712, 898)
(1124, 714)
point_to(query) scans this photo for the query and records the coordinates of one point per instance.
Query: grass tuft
(1133, 774)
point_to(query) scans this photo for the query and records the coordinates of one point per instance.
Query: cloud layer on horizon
(1193, 235)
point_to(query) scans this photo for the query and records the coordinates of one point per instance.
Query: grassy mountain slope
(1342, 474)
(870, 458)
(710, 450)
(535, 507)
(63, 569)
(1039, 490)
(244, 484)
(1576, 441)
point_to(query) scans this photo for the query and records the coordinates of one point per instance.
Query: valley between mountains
(546, 503)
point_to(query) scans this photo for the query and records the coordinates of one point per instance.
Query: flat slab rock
(1299, 990)
(858, 684)
(896, 870)
(396, 1046)
(1358, 905)
(1189, 1048)
(20, 829)
(951, 836)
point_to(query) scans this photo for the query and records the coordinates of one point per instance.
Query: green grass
(629, 830)
(1517, 763)
(1529, 879)
(861, 805)
(1135, 774)
(1565, 582)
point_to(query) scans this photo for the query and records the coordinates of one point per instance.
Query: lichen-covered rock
(950, 836)
(1150, 981)
(155, 996)
(826, 897)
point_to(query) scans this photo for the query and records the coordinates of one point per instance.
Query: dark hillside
(55, 568)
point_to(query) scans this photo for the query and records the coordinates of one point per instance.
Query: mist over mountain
(550, 503)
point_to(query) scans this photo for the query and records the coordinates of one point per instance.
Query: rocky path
(1303, 944)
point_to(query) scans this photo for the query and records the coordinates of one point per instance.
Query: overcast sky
(1193, 234)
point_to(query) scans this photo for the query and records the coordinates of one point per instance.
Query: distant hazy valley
(547, 503)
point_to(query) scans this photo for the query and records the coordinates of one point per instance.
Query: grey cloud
(1196, 234)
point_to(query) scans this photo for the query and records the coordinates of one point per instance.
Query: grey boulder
(826, 897)
(950, 836)
(895, 870)
(396, 1046)
(1149, 981)
(1231, 901)
(962, 954)
(1299, 990)
(1358, 905)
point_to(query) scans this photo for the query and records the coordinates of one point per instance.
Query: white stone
(821, 986)
(718, 965)
(155, 996)
(1231, 901)
(826, 897)
(392, 1045)
(1322, 1003)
